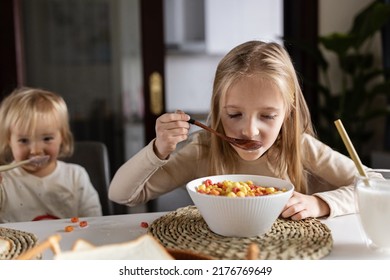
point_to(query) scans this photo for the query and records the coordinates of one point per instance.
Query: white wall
(232, 22)
(189, 81)
(189, 75)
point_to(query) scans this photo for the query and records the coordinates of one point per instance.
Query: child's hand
(171, 128)
(301, 206)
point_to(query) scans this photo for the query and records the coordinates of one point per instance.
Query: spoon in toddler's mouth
(37, 160)
(244, 144)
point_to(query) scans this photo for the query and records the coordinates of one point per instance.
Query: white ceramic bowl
(240, 216)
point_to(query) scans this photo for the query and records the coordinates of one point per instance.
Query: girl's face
(253, 109)
(46, 140)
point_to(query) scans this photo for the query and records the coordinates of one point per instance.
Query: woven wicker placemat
(19, 242)
(185, 229)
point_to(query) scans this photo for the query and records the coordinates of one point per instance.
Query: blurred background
(120, 64)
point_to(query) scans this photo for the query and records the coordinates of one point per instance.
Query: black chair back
(93, 156)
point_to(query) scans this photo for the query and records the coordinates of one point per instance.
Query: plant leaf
(369, 21)
(354, 63)
(338, 42)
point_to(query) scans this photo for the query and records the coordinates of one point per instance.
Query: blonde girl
(256, 95)
(35, 122)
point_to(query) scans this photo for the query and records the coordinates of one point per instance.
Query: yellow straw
(350, 147)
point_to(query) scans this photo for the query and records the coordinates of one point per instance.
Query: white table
(347, 236)
(348, 240)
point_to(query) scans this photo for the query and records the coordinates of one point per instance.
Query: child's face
(46, 140)
(253, 109)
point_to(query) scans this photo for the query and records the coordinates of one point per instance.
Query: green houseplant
(362, 83)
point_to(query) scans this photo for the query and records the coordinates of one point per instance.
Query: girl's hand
(301, 206)
(171, 128)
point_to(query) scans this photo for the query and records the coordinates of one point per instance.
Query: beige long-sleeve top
(145, 176)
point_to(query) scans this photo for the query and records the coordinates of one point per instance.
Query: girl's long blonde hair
(271, 62)
(25, 108)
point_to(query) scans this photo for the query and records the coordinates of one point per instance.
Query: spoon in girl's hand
(244, 144)
(37, 160)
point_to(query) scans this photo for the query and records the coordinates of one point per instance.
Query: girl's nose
(35, 148)
(251, 129)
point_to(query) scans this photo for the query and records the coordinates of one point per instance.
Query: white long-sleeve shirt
(66, 192)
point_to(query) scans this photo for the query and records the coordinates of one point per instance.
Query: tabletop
(348, 239)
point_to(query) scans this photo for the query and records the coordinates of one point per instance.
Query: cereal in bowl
(236, 189)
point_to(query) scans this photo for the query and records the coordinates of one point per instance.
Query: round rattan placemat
(19, 242)
(185, 229)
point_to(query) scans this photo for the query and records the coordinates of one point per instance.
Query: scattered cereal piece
(74, 219)
(253, 252)
(144, 224)
(83, 223)
(69, 228)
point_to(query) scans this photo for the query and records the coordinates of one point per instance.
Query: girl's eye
(23, 140)
(48, 138)
(269, 117)
(232, 116)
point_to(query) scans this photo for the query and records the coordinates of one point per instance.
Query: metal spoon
(37, 160)
(244, 144)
